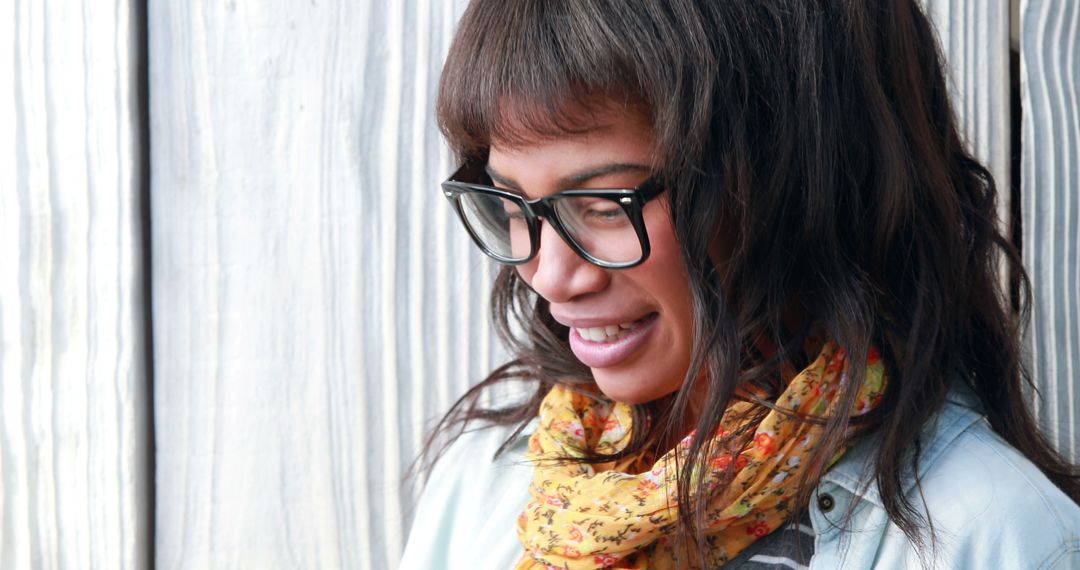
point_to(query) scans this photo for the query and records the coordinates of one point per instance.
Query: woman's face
(651, 301)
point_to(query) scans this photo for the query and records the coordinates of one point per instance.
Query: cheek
(526, 271)
(672, 289)
(666, 271)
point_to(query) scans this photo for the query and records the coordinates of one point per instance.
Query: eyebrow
(574, 180)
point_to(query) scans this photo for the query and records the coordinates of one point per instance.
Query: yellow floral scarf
(588, 516)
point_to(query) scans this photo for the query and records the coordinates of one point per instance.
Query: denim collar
(854, 471)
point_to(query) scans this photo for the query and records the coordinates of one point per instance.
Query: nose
(558, 273)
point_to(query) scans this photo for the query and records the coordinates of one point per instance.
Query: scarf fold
(621, 514)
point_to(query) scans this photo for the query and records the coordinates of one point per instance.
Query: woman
(751, 283)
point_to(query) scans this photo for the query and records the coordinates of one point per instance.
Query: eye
(595, 214)
(604, 212)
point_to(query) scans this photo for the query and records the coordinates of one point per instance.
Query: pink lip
(605, 319)
(605, 354)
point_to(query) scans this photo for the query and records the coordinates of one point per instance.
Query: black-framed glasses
(604, 226)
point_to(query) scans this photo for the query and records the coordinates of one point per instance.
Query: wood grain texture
(974, 36)
(315, 303)
(975, 39)
(1050, 72)
(74, 428)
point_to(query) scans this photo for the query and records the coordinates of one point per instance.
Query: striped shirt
(788, 548)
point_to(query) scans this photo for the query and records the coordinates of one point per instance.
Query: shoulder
(987, 504)
(471, 500)
(985, 499)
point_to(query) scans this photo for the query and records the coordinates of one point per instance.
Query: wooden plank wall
(1050, 72)
(74, 421)
(315, 303)
(975, 39)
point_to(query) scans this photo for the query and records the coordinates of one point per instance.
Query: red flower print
(837, 361)
(554, 500)
(571, 552)
(724, 461)
(765, 442)
(568, 427)
(721, 462)
(610, 423)
(647, 486)
(873, 357)
(575, 534)
(758, 529)
(605, 560)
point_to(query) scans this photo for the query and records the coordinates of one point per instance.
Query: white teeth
(606, 333)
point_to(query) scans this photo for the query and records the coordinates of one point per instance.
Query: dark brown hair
(819, 135)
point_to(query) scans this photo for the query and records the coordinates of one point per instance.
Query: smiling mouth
(610, 333)
(603, 350)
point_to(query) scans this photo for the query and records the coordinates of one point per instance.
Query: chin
(627, 389)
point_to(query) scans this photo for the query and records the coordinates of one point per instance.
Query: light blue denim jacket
(989, 506)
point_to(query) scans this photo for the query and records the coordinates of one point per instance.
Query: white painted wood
(315, 304)
(1050, 72)
(974, 35)
(74, 427)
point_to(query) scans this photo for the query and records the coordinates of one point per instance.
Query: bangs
(521, 71)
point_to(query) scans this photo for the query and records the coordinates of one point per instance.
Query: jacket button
(825, 502)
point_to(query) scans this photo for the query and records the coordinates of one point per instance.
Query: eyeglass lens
(598, 226)
(498, 223)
